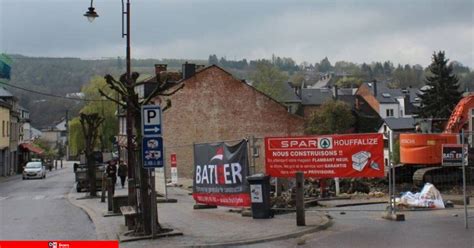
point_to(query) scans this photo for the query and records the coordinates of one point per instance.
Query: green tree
(105, 108)
(442, 95)
(347, 68)
(325, 65)
(333, 117)
(366, 72)
(76, 137)
(387, 68)
(349, 82)
(213, 60)
(297, 78)
(269, 80)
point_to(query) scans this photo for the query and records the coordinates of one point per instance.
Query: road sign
(174, 169)
(152, 152)
(452, 155)
(151, 120)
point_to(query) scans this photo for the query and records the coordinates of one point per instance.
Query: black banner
(220, 173)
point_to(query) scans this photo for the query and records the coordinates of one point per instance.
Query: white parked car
(34, 170)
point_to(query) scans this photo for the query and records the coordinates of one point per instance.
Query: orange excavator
(421, 153)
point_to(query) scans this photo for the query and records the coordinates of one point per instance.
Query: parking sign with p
(151, 120)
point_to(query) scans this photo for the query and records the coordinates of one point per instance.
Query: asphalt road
(38, 209)
(355, 228)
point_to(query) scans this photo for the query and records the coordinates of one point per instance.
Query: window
(389, 112)
(3, 128)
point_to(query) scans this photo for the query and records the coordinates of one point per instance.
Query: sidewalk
(206, 227)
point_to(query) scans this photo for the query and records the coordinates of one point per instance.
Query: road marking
(4, 197)
(39, 197)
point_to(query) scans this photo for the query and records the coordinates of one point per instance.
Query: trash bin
(260, 196)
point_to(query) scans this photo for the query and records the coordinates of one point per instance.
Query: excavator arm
(460, 116)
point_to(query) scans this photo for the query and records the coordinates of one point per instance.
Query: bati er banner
(220, 173)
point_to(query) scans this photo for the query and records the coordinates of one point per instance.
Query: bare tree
(90, 128)
(166, 85)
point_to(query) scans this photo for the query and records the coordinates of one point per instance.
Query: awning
(32, 148)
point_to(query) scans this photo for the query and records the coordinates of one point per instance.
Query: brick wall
(214, 106)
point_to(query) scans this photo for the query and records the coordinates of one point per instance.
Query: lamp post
(91, 15)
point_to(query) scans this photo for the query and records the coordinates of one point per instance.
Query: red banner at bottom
(59, 244)
(231, 200)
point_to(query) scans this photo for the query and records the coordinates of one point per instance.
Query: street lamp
(91, 15)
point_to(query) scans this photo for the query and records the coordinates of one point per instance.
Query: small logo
(325, 143)
(52, 244)
(219, 154)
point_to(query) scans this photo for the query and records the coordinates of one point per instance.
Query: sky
(402, 31)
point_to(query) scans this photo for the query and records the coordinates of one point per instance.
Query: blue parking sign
(152, 152)
(151, 120)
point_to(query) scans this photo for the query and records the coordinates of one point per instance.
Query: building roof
(35, 132)
(386, 95)
(315, 96)
(347, 99)
(400, 123)
(290, 94)
(32, 148)
(5, 93)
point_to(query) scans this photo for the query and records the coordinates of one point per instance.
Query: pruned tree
(167, 84)
(90, 128)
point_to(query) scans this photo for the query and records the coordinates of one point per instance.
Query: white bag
(429, 197)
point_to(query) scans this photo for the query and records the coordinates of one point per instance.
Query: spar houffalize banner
(220, 172)
(345, 156)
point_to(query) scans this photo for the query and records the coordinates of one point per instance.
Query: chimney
(336, 94)
(188, 70)
(375, 87)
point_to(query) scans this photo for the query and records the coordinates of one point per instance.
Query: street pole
(394, 209)
(129, 118)
(465, 161)
(67, 135)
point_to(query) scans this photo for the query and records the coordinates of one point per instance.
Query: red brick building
(214, 106)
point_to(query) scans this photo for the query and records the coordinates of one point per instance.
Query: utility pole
(67, 135)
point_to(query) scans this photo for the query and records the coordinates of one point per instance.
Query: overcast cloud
(359, 31)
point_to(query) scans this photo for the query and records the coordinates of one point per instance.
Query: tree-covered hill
(60, 76)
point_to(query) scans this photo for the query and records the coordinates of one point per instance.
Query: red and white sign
(174, 169)
(173, 160)
(329, 156)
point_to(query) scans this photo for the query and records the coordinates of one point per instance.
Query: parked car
(34, 170)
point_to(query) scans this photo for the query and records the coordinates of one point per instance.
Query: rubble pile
(353, 188)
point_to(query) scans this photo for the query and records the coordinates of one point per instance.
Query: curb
(91, 214)
(325, 225)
